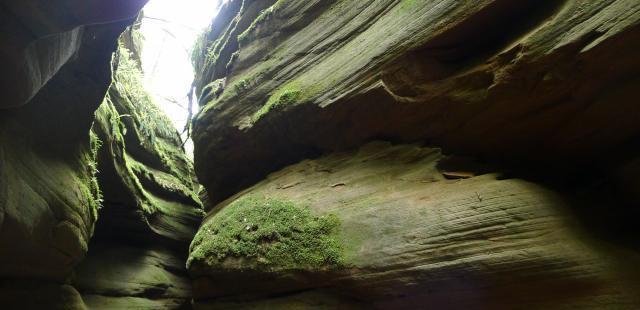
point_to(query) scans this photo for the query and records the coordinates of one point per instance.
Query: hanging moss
(135, 111)
(128, 80)
(269, 234)
(94, 187)
(87, 181)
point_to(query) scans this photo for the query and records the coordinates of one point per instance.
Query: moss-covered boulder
(393, 230)
(267, 234)
(528, 84)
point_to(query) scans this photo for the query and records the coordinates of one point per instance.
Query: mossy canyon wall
(98, 198)
(387, 154)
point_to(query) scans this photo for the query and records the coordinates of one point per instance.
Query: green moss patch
(143, 151)
(128, 80)
(270, 234)
(288, 95)
(92, 162)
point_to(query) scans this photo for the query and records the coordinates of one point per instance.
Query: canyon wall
(56, 59)
(98, 200)
(518, 194)
(546, 83)
(390, 154)
(150, 209)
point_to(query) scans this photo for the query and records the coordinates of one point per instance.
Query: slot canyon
(347, 154)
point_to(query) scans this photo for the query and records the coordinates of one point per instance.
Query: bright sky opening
(170, 29)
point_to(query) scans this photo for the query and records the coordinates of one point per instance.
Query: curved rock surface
(410, 237)
(541, 87)
(145, 176)
(56, 72)
(120, 276)
(40, 37)
(128, 178)
(534, 205)
(506, 80)
(150, 207)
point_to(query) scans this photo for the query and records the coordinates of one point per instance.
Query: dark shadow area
(482, 35)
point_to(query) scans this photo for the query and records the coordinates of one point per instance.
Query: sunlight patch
(170, 29)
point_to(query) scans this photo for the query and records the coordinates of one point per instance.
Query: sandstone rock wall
(409, 237)
(40, 37)
(150, 207)
(56, 72)
(391, 154)
(545, 82)
(541, 93)
(108, 207)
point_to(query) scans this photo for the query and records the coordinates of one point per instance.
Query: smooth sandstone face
(41, 37)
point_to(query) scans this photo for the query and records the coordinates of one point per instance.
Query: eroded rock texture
(547, 82)
(535, 209)
(411, 237)
(40, 37)
(93, 214)
(150, 208)
(143, 167)
(543, 90)
(56, 69)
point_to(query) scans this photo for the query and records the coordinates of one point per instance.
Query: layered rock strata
(401, 236)
(57, 68)
(543, 90)
(544, 82)
(119, 188)
(150, 207)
